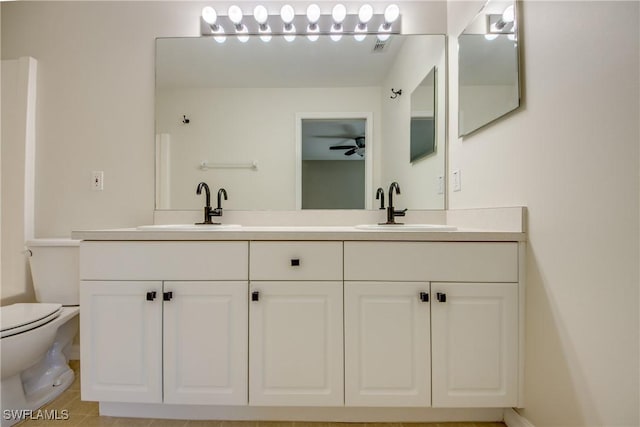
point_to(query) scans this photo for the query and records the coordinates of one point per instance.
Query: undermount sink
(406, 227)
(188, 227)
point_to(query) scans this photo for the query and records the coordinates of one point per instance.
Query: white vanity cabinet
(473, 316)
(148, 337)
(295, 324)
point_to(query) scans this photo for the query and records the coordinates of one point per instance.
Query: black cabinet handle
(424, 296)
(255, 296)
(441, 297)
(167, 296)
(295, 262)
(151, 296)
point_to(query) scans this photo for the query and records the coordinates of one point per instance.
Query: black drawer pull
(424, 296)
(151, 296)
(167, 296)
(255, 296)
(441, 297)
(295, 262)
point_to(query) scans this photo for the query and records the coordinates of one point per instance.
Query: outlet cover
(97, 180)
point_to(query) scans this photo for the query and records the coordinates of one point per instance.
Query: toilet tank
(55, 270)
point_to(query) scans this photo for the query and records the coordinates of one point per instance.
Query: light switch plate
(456, 180)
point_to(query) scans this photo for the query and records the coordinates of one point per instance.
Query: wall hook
(395, 93)
(185, 120)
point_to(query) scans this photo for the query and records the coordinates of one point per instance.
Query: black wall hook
(395, 93)
(185, 120)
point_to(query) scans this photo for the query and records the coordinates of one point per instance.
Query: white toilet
(36, 336)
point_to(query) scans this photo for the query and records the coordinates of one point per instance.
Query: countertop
(349, 233)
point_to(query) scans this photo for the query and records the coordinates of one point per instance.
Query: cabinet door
(387, 357)
(296, 344)
(474, 344)
(121, 341)
(205, 343)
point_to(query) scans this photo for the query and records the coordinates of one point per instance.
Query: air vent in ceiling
(379, 46)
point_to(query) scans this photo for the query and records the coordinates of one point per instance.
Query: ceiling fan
(356, 148)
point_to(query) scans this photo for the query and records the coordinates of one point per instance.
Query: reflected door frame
(368, 156)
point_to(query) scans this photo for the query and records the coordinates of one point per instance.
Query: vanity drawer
(111, 260)
(295, 261)
(432, 261)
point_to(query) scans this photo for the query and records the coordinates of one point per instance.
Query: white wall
(96, 111)
(419, 181)
(267, 135)
(570, 154)
(18, 162)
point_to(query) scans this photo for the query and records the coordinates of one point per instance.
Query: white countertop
(301, 233)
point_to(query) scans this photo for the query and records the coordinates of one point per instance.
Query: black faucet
(380, 196)
(218, 210)
(391, 211)
(208, 211)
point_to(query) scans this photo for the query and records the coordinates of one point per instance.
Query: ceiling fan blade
(350, 152)
(342, 147)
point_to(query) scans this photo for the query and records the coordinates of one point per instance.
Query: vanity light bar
(336, 23)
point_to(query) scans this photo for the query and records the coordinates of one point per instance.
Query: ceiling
(323, 63)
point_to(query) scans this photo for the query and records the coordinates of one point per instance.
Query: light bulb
(287, 14)
(365, 13)
(509, 14)
(313, 32)
(235, 14)
(260, 14)
(243, 34)
(289, 31)
(313, 13)
(384, 32)
(338, 13)
(391, 13)
(360, 32)
(209, 15)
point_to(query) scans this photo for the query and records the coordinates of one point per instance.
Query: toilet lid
(17, 318)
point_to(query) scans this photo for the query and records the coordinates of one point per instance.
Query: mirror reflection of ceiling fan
(357, 147)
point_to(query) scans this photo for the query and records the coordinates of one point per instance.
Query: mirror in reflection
(423, 121)
(248, 106)
(488, 86)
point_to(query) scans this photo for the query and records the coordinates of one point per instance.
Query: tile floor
(85, 414)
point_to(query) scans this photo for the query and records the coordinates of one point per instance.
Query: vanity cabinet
(469, 325)
(387, 327)
(474, 344)
(295, 324)
(171, 341)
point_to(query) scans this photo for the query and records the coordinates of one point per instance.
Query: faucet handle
(403, 212)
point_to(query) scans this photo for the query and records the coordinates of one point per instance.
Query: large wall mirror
(489, 80)
(295, 125)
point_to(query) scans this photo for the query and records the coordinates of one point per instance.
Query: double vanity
(325, 321)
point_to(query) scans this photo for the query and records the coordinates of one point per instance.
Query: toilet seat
(19, 318)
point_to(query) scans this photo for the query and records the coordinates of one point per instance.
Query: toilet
(37, 337)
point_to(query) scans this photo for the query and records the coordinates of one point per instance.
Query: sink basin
(406, 227)
(189, 227)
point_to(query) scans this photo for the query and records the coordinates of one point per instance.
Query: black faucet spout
(392, 213)
(380, 196)
(206, 191)
(218, 210)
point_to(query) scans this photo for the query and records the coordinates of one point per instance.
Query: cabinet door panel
(475, 344)
(387, 357)
(205, 347)
(296, 344)
(121, 341)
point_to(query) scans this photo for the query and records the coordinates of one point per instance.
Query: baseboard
(514, 419)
